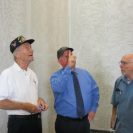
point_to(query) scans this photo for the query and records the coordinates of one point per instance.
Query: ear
(60, 60)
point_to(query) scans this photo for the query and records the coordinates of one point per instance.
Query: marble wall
(14, 16)
(100, 31)
(49, 22)
(45, 21)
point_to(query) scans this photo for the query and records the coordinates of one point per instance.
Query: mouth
(31, 55)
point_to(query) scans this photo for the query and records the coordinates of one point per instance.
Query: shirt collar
(74, 70)
(125, 80)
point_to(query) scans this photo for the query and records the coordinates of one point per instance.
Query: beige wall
(45, 21)
(100, 31)
(13, 22)
(49, 22)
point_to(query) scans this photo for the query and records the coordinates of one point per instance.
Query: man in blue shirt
(68, 120)
(122, 98)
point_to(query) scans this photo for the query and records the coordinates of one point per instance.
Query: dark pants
(25, 124)
(70, 125)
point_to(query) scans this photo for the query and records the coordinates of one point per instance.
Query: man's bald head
(128, 57)
(127, 66)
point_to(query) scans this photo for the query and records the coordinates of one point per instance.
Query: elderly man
(122, 98)
(76, 95)
(19, 91)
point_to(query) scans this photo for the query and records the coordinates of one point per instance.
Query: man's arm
(59, 80)
(14, 105)
(113, 117)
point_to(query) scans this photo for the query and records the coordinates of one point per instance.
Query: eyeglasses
(125, 62)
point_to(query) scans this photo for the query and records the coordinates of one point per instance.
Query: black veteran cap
(19, 41)
(62, 50)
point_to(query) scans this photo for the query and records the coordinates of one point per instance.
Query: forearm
(10, 105)
(113, 117)
(114, 112)
(14, 105)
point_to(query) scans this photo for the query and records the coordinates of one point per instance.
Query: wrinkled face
(126, 65)
(25, 52)
(63, 60)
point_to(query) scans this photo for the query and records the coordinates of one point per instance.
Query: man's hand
(112, 123)
(91, 116)
(42, 105)
(71, 60)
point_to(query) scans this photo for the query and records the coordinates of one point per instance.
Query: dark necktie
(79, 99)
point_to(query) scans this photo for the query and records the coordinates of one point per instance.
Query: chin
(122, 72)
(30, 60)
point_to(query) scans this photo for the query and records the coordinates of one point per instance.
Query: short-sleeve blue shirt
(122, 98)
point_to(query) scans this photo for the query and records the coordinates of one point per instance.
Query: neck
(129, 77)
(22, 64)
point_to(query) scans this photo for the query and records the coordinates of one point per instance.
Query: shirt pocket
(118, 95)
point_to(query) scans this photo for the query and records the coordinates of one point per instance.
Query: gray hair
(15, 53)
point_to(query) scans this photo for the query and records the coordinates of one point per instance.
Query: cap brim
(71, 49)
(29, 41)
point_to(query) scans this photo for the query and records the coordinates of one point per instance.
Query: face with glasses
(126, 65)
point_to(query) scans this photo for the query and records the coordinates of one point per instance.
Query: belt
(73, 119)
(32, 116)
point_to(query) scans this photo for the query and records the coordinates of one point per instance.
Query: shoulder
(56, 73)
(7, 71)
(6, 74)
(119, 79)
(83, 71)
(117, 82)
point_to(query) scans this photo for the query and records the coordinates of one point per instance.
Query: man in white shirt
(19, 91)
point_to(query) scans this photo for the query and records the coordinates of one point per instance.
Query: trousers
(72, 125)
(25, 123)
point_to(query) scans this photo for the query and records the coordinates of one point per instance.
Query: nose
(31, 50)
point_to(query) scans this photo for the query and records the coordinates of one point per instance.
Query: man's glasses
(125, 62)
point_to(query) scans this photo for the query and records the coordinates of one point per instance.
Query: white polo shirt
(18, 85)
